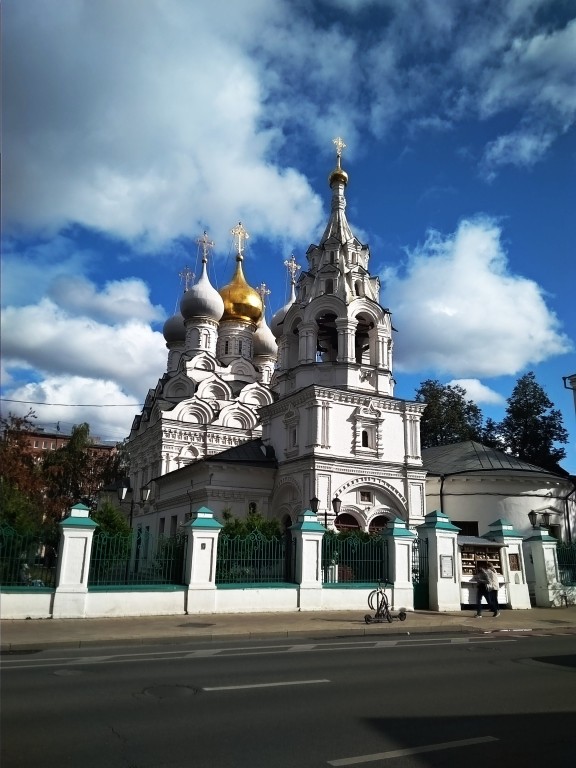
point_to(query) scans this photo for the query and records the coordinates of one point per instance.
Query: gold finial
(292, 267)
(338, 175)
(206, 244)
(240, 236)
(339, 142)
(188, 276)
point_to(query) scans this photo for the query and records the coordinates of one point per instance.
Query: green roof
(471, 456)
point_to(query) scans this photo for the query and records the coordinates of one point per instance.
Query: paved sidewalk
(76, 633)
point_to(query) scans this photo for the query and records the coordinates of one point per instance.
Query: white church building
(302, 414)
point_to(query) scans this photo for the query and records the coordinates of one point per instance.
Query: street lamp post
(336, 506)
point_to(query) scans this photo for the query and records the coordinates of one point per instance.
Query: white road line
(264, 685)
(411, 751)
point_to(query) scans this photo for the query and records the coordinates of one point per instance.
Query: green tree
(532, 429)
(22, 503)
(110, 520)
(449, 417)
(254, 521)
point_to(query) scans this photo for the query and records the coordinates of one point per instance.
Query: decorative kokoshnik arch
(399, 505)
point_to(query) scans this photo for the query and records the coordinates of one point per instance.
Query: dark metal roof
(472, 457)
(254, 452)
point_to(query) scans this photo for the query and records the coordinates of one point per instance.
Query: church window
(331, 257)
(226, 347)
(161, 524)
(293, 437)
(329, 286)
(353, 258)
(365, 439)
(366, 497)
(252, 508)
(239, 347)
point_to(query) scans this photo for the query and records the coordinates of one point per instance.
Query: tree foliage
(449, 417)
(36, 492)
(254, 521)
(110, 520)
(21, 479)
(532, 429)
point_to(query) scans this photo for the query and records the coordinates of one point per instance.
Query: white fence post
(399, 541)
(513, 566)
(73, 564)
(443, 563)
(200, 570)
(308, 535)
(547, 587)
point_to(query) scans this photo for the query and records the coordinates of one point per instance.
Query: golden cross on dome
(206, 245)
(339, 145)
(292, 267)
(188, 276)
(264, 291)
(240, 236)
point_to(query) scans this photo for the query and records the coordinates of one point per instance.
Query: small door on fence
(420, 574)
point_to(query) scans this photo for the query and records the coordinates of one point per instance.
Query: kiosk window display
(474, 549)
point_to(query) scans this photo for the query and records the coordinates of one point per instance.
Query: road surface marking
(411, 751)
(264, 685)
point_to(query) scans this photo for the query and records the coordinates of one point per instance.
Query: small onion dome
(278, 318)
(202, 300)
(338, 175)
(174, 329)
(264, 341)
(241, 302)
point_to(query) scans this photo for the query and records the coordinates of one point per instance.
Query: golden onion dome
(241, 302)
(338, 175)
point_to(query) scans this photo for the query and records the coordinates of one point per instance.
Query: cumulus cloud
(154, 119)
(47, 339)
(69, 400)
(460, 310)
(478, 392)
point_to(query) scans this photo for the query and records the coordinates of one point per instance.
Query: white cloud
(150, 119)
(49, 340)
(460, 311)
(478, 392)
(102, 404)
(119, 300)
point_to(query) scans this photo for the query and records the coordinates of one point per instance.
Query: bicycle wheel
(402, 616)
(389, 617)
(368, 619)
(373, 600)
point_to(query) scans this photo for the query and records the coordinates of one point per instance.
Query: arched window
(365, 443)
(226, 347)
(331, 257)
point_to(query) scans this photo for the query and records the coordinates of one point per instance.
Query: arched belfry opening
(327, 338)
(363, 349)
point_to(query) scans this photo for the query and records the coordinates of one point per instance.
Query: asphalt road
(465, 701)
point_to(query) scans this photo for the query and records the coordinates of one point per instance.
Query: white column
(308, 534)
(200, 572)
(399, 540)
(547, 586)
(443, 566)
(514, 591)
(73, 564)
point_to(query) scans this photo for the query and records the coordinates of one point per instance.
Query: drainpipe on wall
(442, 478)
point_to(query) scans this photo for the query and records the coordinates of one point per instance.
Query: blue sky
(131, 126)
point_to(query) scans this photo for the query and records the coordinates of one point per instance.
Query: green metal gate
(420, 574)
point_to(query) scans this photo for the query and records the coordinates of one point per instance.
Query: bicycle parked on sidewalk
(379, 603)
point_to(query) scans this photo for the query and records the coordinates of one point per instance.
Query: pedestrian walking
(486, 580)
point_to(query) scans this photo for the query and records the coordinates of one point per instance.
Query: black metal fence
(354, 558)
(26, 560)
(137, 558)
(567, 563)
